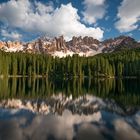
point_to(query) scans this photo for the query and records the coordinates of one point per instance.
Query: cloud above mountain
(45, 19)
(128, 15)
(29, 19)
(11, 35)
(93, 10)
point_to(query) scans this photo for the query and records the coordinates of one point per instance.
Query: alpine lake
(69, 109)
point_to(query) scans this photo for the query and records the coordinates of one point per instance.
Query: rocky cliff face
(84, 46)
(11, 46)
(119, 43)
(45, 45)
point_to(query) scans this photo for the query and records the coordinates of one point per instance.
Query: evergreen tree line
(119, 64)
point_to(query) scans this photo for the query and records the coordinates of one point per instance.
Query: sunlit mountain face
(59, 47)
(69, 70)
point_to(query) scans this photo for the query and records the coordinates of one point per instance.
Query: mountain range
(84, 46)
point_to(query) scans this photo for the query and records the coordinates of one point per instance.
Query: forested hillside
(119, 64)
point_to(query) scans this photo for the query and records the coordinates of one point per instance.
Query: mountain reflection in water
(83, 118)
(78, 109)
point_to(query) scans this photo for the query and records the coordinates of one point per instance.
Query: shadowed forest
(119, 64)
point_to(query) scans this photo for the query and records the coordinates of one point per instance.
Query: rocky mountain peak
(119, 39)
(84, 46)
(60, 43)
(119, 43)
(83, 41)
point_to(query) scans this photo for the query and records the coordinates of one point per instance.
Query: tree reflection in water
(114, 116)
(124, 91)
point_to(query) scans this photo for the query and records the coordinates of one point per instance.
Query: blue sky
(26, 20)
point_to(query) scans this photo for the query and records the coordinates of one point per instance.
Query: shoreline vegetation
(71, 77)
(122, 64)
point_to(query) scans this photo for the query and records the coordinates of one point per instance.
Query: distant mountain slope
(84, 46)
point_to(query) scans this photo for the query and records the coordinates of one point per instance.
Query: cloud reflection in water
(24, 125)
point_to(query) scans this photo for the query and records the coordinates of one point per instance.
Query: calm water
(123, 91)
(78, 109)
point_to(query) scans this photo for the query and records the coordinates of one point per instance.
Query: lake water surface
(76, 109)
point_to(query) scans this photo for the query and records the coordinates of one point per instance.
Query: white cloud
(94, 10)
(44, 19)
(43, 9)
(94, 2)
(129, 15)
(11, 35)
